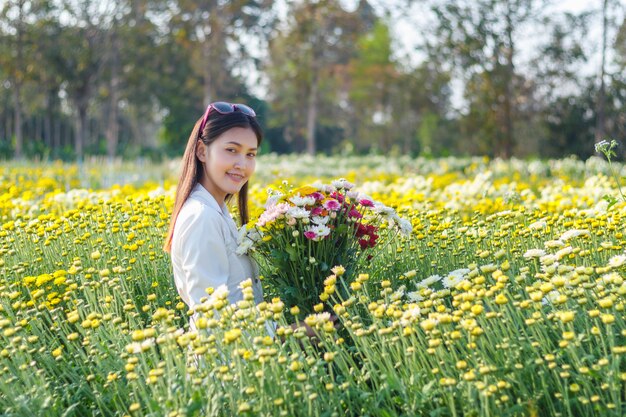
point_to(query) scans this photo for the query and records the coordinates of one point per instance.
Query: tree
(307, 63)
(13, 15)
(479, 39)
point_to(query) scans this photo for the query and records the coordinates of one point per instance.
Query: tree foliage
(130, 77)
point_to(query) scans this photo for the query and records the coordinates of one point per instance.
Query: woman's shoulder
(195, 210)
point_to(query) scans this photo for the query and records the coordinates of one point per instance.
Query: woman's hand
(310, 332)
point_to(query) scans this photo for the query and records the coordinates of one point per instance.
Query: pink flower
(317, 211)
(272, 213)
(332, 205)
(317, 196)
(367, 203)
(310, 234)
(337, 195)
(354, 213)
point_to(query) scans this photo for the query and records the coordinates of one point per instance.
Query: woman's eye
(252, 155)
(231, 150)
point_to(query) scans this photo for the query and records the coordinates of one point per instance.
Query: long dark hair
(216, 125)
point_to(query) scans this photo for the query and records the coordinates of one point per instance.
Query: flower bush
(507, 299)
(306, 231)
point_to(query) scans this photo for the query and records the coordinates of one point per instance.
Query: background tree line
(129, 77)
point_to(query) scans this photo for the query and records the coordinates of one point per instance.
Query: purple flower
(310, 234)
(367, 203)
(332, 205)
(354, 213)
(316, 211)
(317, 196)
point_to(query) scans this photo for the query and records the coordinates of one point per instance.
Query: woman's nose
(240, 162)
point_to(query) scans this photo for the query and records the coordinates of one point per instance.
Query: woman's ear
(201, 151)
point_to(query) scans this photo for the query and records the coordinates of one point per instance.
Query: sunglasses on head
(223, 107)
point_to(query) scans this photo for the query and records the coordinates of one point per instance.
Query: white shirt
(203, 252)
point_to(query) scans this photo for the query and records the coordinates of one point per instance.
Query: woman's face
(228, 162)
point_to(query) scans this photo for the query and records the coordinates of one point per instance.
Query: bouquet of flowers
(305, 232)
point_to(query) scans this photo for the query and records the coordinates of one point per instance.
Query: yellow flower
(57, 352)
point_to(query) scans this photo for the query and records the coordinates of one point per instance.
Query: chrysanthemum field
(506, 300)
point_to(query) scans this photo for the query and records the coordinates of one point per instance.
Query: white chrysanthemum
(554, 244)
(428, 281)
(410, 315)
(398, 294)
(302, 201)
(564, 252)
(537, 225)
(612, 277)
(320, 231)
(414, 296)
(298, 213)
(244, 247)
(570, 234)
(325, 188)
(534, 253)
(548, 260)
(342, 183)
(320, 219)
(406, 227)
(461, 272)
(272, 200)
(221, 292)
(550, 297)
(617, 261)
(382, 209)
(452, 281)
(139, 347)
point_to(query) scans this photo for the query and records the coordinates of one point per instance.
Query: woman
(202, 239)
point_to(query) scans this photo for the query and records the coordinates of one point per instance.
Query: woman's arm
(204, 257)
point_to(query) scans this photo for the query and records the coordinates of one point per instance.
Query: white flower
(554, 244)
(221, 292)
(398, 294)
(342, 183)
(272, 200)
(406, 227)
(382, 209)
(325, 188)
(452, 280)
(570, 234)
(563, 252)
(551, 297)
(410, 315)
(617, 261)
(244, 247)
(320, 220)
(537, 225)
(428, 281)
(139, 347)
(534, 253)
(302, 201)
(320, 231)
(298, 213)
(414, 296)
(548, 260)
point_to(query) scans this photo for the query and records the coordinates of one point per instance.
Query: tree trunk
(17, 121)
(112, 129)
(80, 129)
(601, 104)
(47, 123)
(509, 134)
(208, 79)
(311, 115)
